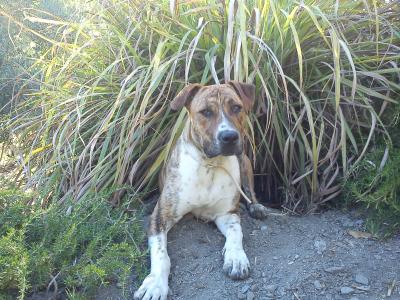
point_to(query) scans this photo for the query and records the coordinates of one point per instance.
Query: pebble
(335, 270)
(345, 290)
(361, 279)
(320, 246)
(241, 296)
(270, 288)
(254, 288)
(280, 291)
(359, 223)
(264, 228)
(317, 285)
(275, 257)
(245, 288)
(250, 296)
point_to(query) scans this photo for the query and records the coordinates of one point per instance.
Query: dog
(203, 175)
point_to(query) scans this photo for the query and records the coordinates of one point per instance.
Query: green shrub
(375, 183)
(79, 245)
(14, 262)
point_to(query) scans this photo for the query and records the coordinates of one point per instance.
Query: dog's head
(217, 115)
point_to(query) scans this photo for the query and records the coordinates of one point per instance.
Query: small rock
(347, 223)
(275, 257)
(254, 288)
(320, 246)
(250, 296)
(354, 298)
(280, 291)
(358, 223)
(264, 228)
(317, 285)
(361, 279)
(245, 288)
(269, 295)
(241, 296)
(335, 269)
(199, 286)
(270, 288)
(345, 290)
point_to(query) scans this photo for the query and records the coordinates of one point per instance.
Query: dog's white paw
(152, 288)
(236, 264)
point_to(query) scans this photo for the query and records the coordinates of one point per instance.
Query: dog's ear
(185, 96)
(246, 92)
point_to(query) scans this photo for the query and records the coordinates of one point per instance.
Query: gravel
(348, 267)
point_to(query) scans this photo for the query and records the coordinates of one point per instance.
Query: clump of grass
(75, 247)
(324, 71)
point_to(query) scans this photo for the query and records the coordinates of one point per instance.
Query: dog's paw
(236, 264)
(258, 211)
(153, 287)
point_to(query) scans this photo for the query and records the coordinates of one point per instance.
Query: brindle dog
(202, 176)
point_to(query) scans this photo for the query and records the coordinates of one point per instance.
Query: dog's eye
(207, 112)
(236, 109)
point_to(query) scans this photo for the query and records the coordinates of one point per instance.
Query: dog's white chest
(207, 188)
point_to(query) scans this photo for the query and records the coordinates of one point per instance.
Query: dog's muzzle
(229, 142)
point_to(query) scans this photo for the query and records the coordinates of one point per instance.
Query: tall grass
(325, 71)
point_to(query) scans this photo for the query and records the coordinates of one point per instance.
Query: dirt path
(310, 257)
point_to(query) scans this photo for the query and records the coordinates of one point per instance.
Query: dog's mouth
(226, 150)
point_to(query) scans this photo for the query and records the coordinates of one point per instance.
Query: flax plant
(325, 71)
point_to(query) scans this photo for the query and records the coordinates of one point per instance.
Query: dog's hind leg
(256, 209)
(236, 264)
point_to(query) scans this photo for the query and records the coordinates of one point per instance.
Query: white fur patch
(206, 189)
(225, 125)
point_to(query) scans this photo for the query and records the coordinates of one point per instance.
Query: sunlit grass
(324, 70)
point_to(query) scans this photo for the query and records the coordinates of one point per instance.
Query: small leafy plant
(75, 246)
(375, 184)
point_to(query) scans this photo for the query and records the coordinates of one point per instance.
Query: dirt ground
(310, 257)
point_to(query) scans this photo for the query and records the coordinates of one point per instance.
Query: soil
(310, 257)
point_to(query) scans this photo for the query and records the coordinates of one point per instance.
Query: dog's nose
(228, 136)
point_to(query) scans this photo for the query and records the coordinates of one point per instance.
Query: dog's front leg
(155, 285)
(236, 264)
